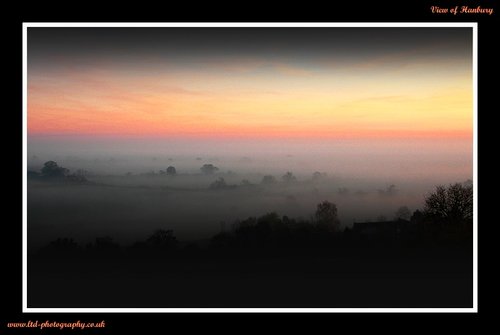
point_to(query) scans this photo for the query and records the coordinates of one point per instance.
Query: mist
(129, 194)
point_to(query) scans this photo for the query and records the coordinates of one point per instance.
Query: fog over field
(129, 194)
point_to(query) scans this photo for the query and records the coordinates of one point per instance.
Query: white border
(475, 172)
(473, 309)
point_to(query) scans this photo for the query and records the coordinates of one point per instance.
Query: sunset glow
(414, 93)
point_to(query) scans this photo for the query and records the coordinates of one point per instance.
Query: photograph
(172, 167)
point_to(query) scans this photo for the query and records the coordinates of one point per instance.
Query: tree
(219, 184)
(50, 169)
(326, 216)
(62, 247)
(417, 217)
(246, 182)
(267, 180)
(451, 205)
(105, 244)
(288, 177)
(171, 171)
(209, 169)
(164, 239)
(76, 178)
(403, 213)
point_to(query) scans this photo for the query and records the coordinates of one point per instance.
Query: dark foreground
(395, 277)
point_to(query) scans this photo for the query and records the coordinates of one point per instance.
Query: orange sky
(82, 104)
(256, 98)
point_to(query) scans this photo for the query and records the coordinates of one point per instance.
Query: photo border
(473, 25)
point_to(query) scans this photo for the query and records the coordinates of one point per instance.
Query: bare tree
(288, 177)
(326, 216)
(219, 184)
(268, 179)
(162, 239)
(51, 170)
(171, 171)
(452, 204)
(209, 169)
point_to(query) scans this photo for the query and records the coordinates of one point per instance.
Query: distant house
(387, 230)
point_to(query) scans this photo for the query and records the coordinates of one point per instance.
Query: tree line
(446, 216)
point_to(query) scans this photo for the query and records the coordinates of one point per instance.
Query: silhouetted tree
(78, 177)
(171, 171)
(62, 247)
(288, 177)
(75, 178)
(103, 246)
(222, 240)
(50, 169)
(209, 169)
(246, 182)
(450, 205)
(220, 183)
(64, 244)
(105, 243)
(267, 180)
(163, 239)
(403, 212)
(326, 216)
(417, 217)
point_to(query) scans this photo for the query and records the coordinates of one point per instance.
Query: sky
(250, 83)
